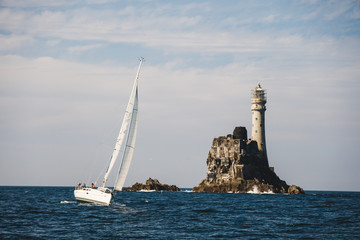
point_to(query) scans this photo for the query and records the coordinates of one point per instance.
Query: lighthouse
(258, 108)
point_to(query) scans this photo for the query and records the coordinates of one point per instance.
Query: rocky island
(237, 164)
(152, 185)
(234, 164)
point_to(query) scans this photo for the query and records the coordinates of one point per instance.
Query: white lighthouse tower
(258, 108)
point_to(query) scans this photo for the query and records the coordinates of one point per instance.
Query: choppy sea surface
(53, 213)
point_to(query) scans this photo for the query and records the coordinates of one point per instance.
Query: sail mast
(124, 125)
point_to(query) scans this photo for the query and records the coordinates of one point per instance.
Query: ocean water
(53, 213)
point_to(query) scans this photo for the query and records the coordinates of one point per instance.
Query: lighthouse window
(255, 118)
(255, 131)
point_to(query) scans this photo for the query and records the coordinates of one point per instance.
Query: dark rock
(236, 165)
(295, 190)
(152, 184)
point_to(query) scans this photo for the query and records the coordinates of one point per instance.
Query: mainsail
(127, 133)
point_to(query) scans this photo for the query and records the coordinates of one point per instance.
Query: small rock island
(237, 164)
(152, 185)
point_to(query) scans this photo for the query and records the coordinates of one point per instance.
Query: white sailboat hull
(98, 196)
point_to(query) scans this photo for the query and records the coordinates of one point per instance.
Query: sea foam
(256, 191)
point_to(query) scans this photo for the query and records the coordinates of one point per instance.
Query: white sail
(124, 127)
(129, 149)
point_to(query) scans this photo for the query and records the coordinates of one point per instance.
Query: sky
(67, 68)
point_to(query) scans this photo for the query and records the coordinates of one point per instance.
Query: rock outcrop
(234, 164)
(152, 185)
(295, 189)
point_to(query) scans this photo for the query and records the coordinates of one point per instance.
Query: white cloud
(84, 47)
(310, 16)
(11, 42)
(52, 43)
(336, 9)
(271, 18)
(42, 3)
(355, 13)
(150, 27)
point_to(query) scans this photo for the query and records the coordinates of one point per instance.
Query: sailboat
(127, 135)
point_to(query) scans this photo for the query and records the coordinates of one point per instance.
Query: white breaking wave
(256, 191)
(67, 201)
(143, 190)
(188, 191)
